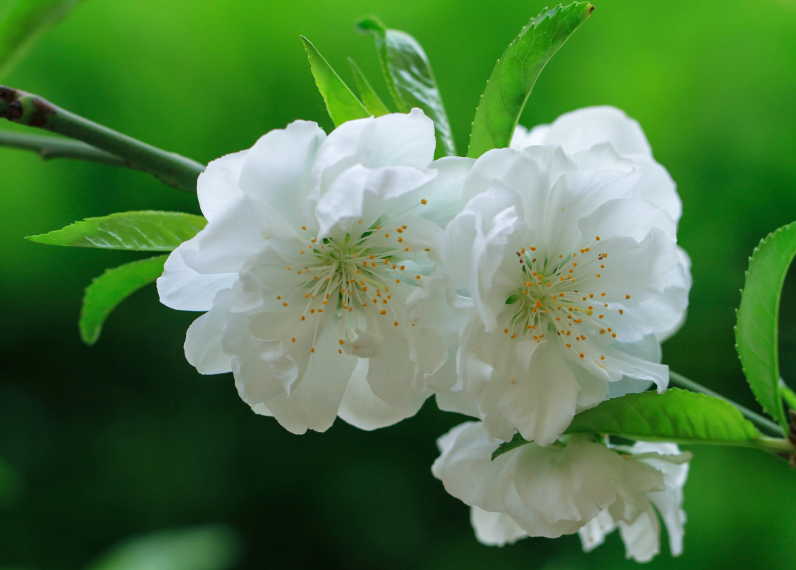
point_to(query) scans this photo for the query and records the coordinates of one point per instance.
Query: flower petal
(539, 402)
(593, 533)
(203, 342)
(572, 483)
(362, 409)
(586, 127)
(466, 469)
(218, 186)
(642, 536)
(277, 170)
(495, 529)
(396, 139)
(183, 289)
(316, 398)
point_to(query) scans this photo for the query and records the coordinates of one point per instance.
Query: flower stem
(49, 148)
(33, 111)
(757, 419)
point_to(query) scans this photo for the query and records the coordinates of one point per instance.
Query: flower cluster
(351, 275)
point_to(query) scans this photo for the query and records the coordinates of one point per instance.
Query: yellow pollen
(338, 350)
(514, 335)
(400, 240)
(424, 201)
(506, 331)
(602, 266)
(312, 310)
(621, 312)
(292, 340)
(303, 318)
(302, 251)
(312, 349)
(627, 296)
(598, 275)
(388, 235)
(613, 335)
(417, 277)
(304, 228)
(278, 297)
(342, 342)
(399, 230)
(383, 312)
(284, 304)
(601, 316)
(288, 268)
(597, 238)
(397, 280)
(533, 248)
(602, 357)
(581, 355)
(569, 345)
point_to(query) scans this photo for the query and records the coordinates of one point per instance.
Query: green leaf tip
(757, 325)
(677, 416)
(108, 290)
(516, 72)
(367, 94)
(410, 79)
(134, 231)
(341, 103)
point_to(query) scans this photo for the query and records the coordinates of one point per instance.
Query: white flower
(312, 248)
(568, 258)
(579, 486)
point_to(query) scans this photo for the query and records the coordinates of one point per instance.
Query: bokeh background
(123, 439)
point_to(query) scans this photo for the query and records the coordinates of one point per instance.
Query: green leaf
(111, 288)
(757, 326)
(138, 231)
(676, 415)
(516, 72)
(370, 99)
(22, 22)
(410, 79)
(202, 548)
(341, 102)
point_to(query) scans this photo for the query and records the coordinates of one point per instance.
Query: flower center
(354, 274)
(563, 296)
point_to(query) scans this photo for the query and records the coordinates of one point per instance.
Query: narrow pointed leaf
(138, 231)
(111, 288)
(516, 72)
(757, 327)
(370, 99)
(677, 416)
(341, 103)
(22, 22)
(410, 79)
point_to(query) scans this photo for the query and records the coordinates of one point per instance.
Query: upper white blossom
(568, 275)
(579, 486)
(312, 248)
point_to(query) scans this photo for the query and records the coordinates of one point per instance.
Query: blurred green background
(125, 438)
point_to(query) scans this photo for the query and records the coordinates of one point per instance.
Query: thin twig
(49, 148)
(755, 418)
(33, 111)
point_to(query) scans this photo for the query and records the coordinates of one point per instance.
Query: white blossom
(312, 248)
(577, 485)
(566, 273)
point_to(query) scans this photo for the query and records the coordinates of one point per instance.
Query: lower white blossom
(313, 246)
(567, 277)
(578, 485)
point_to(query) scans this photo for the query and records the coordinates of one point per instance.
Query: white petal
(203, 342)
(572, 483)
(218, 186)
(466, 469)
(593, 533)
(362, 409)
(642, 536)
(593, 390)
(237, 234)
(530, 520)
(495, 529)
(576, 195)
(389, 140)
(183, 289)
(584, 128)
(449, 401)
(633, 218)
(392, 371)
(277, 170)
(649, 349)
(477, 358)
(362, 193)
(522, 137)
(315, 400)
(540, 403)
(443, 195)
